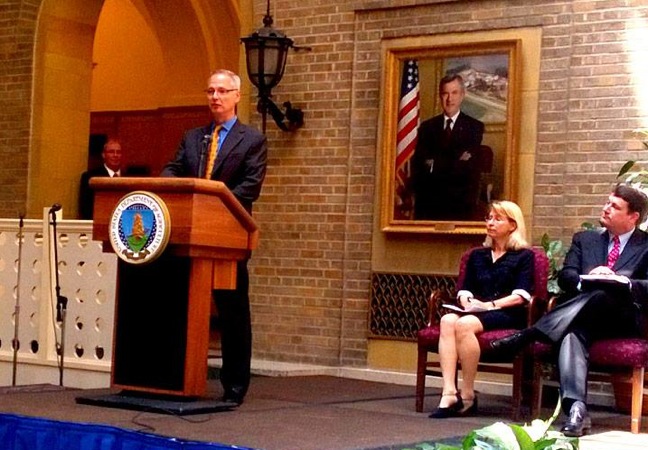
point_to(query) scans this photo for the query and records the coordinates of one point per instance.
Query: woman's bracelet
(494, 305)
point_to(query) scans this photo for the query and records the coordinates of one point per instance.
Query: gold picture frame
(491, 72)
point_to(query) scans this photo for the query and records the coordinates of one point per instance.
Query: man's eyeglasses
(220, 92)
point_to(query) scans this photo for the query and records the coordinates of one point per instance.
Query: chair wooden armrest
(438, 297)
(536, 308)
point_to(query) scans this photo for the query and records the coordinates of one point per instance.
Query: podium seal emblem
(139, 227)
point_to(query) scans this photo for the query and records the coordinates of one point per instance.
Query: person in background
(111, 167)
(498, 281)
(448, 159)
(589, 310)
(236, 154)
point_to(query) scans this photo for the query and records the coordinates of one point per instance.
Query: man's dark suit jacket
(589, 249)
(446, 172)
(86, 195)
(241, 161)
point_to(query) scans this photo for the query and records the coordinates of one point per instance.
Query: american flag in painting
(408, 122)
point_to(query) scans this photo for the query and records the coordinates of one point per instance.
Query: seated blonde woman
(499, 277)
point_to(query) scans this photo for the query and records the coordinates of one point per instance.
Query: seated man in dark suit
(595, 310)
(111, 167)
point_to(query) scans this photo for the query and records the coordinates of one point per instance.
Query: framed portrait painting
(449, 134)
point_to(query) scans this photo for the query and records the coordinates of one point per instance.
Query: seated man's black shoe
(514, 343)
(579, 422)
(234, 395)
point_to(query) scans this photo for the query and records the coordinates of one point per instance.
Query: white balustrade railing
(87, 278)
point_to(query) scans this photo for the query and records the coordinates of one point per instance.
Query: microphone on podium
(206, 142)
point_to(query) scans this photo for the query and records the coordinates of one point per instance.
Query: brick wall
(311, 274)
(17, 25)
(588, 107)
(314, 264)
(312, 268)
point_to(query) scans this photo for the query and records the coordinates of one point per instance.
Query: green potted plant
(635, 174)
(555, 251)
(503, 436)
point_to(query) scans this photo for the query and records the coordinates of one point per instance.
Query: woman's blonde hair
(518, 238)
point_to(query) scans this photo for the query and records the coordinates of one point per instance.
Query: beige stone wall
(311, 274)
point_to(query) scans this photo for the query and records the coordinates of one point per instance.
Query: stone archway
(61, 100)
(194, 36)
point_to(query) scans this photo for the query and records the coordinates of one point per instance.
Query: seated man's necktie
(615, 252)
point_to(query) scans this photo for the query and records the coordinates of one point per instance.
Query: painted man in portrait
(449, 159)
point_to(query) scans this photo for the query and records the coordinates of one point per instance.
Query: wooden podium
(162, 311)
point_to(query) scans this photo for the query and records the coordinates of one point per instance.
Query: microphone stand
(61, 302)
(204, 145)
(17, 308)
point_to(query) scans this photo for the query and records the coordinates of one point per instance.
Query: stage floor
(303, 413)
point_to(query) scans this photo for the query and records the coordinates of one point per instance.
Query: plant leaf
(523, 438)
(469, 441)
(556, 247)
(543, 444)
(555, 414)
(439, 447)
(553, 288)
(498, 436)
(626, 168)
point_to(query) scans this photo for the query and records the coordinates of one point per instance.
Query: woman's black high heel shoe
(470, 409)
(449, 411)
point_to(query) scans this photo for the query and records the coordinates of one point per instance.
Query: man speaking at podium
(236, 154)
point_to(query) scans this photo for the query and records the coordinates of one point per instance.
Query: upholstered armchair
(490, 361)
(626, 358)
